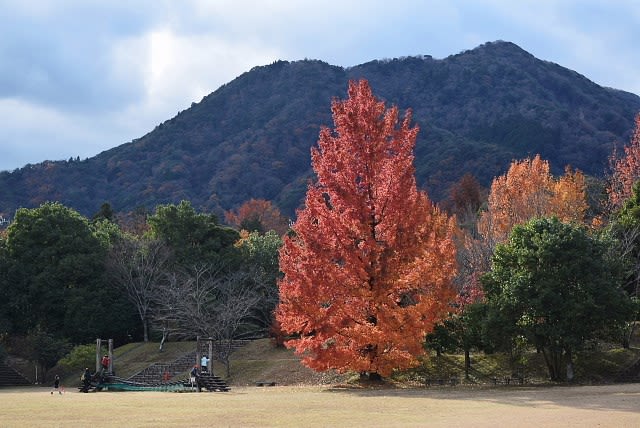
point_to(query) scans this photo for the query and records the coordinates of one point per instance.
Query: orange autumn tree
(369, 264)
(258, 215)
(528, 190)
(625, 170)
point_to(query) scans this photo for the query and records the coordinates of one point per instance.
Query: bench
(508, 380)
(265, 383)
(453, 381)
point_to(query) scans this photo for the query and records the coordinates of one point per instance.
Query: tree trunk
(145, 328)
(165, 333)
(569, 359)
(467, 363)
(370, 377)
(553, 360)
(626, 339)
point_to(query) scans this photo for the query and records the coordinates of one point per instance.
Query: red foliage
(626, 170)
(261, 212)
(368, 268)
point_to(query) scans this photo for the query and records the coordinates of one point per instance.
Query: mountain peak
(499, 48)
(251, 138)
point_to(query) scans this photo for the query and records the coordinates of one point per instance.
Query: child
(105, 363)
(56, 385)
(194, 376)
(204, 361)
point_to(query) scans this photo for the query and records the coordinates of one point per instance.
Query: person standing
(86, 380)
(56, 385)
(194, 376)
(204, 362)
(105, 363)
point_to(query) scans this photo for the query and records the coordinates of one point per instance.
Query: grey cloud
(61, 56)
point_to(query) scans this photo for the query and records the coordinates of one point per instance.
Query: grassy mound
(260, 361)
(135, 357)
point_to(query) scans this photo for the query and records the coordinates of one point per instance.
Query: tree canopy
(369, 263)
(55, 276)
(529, 190)
(192, 237)
(557, 286)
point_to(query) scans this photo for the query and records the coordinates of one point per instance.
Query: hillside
(259, 361)
(477, 110)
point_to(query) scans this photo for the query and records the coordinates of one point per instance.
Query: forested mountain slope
(477, 111)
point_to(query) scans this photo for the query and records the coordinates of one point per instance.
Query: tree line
(67, 280)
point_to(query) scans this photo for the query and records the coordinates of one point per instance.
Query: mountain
(476, 110)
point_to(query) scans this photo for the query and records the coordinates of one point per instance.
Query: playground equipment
(206, 379)
(106, 380)
(99, 354)
(114, 383)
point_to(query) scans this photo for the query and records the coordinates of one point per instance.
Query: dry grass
(134, 357)
(259, 361)
(604, 406)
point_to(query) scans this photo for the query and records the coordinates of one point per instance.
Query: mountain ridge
(250, 138)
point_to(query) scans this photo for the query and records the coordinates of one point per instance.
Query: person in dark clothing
(56, 385)
(86, 380)
(193, 378)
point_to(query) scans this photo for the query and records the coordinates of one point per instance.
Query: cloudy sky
(79, 77)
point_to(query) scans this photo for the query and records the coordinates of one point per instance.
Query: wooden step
(212, 383)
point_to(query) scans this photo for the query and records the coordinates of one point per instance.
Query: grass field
(326, 406)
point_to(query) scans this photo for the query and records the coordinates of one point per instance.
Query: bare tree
(209, 301)
(138, 265)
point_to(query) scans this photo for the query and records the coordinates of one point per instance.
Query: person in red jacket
(105, 364)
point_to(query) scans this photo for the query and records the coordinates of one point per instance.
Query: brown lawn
(325, 406)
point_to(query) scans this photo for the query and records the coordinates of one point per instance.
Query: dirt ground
(329, 406)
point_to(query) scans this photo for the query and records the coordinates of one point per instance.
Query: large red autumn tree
(369, 264)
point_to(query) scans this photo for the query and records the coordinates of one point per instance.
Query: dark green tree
(557, 286)
(5, 317)
(55, 277)
(259, 255)
(46, 349)
(461, 331)
(625, 226)
(193, 238)
(104, 213)
(625, 229)
(79, 356)
(55, 262)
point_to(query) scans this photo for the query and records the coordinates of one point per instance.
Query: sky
(78, 77)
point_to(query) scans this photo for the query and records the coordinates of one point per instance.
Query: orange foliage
(626, 170)
(368, 268)
(528, 190)
(260, 211)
